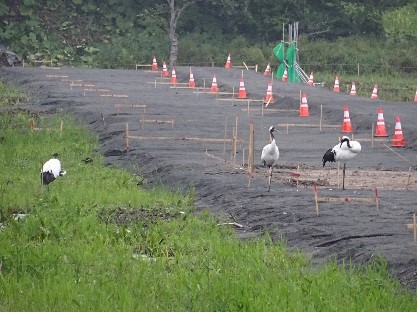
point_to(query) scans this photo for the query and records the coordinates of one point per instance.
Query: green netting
(279, 51)
(280, 70)
(291, 58)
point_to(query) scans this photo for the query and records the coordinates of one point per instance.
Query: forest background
(370, 37)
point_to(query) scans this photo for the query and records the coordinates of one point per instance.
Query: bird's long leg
(41, 175)
(338, 174)
(344, 169)
(270, 178)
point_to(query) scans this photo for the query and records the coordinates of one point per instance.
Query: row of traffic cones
(214, 87)
(398, 139)
(268, 99)
(267, 72)
(303, 111)
(380, 130)
(336, 87)
(191, 83)
(228, 64)
(374, 94)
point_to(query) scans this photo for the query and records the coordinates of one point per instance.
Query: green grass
(10, 94)
(70, 254)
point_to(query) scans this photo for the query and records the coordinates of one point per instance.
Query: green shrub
(10, 94)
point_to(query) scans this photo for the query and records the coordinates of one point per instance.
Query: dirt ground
(181, 137)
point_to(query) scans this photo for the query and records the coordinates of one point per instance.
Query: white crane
(342, 152)
(51, 170)
(270, 155)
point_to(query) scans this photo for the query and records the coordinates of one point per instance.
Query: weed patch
(123, 216)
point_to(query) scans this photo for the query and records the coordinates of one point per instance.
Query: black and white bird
(87, 160)
(270, 155)
(342, 152)
(51, 170)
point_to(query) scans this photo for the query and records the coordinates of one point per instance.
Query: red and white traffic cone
(374, 95)
(380, 130)
(267, 71)
(285, 75)
(347, 125)
(398, 138)
(242, 90)
(228, 62)
(336, 85)
(310, 81)
(154, 64)
(269, 99)
(214, 88)
(164, 70)
(173, 77)
(304, 112)
(353, 89)
(191, 83)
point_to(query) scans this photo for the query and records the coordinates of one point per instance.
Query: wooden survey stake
(413, 226)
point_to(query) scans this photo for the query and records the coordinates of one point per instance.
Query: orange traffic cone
(173, 76)
(374, 95)
(398, 138)
(310, 80)
(228, 63)
(242, 90)
(380, 130)
(269, 99)
(164, 70)
(214, 88)
(154, 64)
(285, 75)
(191, 83)
(336, 85)
(353, 89)
(304, 106)
(267, 71)
(415, 97)
(346, 126)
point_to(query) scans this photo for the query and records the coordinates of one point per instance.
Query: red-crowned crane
(342, 152)
(51, 170)
(270, 155)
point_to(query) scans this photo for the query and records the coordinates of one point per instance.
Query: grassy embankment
(79, 246)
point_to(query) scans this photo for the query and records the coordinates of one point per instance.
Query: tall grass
(71, 252)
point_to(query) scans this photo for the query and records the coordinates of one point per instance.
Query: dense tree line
(115, 32)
